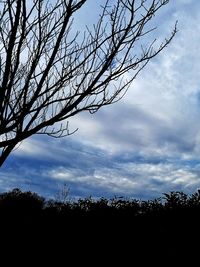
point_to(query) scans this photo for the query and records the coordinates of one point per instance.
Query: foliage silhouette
(18, 202)
(173, 204)
(128, 227)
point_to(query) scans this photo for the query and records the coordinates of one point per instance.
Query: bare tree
(50, 71)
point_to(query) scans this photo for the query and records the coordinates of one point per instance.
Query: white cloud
(31, 147)
(131, 179)
(160, 112)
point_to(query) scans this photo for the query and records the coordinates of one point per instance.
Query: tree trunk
(6, 153)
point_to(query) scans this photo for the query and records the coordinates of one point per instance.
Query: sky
(141, 147)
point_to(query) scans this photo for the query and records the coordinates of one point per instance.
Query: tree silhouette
(51, 71)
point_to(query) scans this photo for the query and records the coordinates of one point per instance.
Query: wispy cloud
(160, 111)
(130, 179)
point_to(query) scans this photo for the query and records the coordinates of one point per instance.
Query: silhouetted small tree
(49, 72)
(63, 194)
(21, 203)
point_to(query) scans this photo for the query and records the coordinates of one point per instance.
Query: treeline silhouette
(175, 203)
(169, 213)
(113, 228)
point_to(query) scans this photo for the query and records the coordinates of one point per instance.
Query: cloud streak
(130, 179)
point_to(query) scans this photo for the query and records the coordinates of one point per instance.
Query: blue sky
(143, 146)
